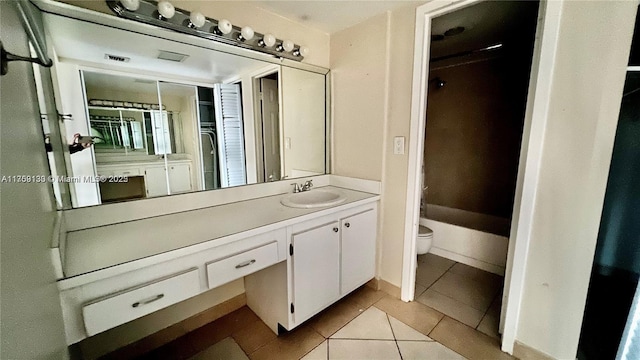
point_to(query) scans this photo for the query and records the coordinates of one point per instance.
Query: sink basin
(313, 199)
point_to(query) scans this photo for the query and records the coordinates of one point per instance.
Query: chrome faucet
(307, 185)
(302, 187)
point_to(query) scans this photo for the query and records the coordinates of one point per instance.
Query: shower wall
(473, 135)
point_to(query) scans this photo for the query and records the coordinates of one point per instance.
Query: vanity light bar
(168, 17)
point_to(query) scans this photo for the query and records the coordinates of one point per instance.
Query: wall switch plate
(398, 145)
(287, 143)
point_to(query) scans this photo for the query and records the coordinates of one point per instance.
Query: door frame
(538, 99)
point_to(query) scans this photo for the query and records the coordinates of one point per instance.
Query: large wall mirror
(167, 118)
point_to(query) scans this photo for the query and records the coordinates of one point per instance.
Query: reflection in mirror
(208, 121)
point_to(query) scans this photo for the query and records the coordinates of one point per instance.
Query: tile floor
(464, 293)
(366, 324)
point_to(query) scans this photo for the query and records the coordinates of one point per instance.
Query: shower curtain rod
(467, 53)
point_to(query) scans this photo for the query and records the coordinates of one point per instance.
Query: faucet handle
(308, 184)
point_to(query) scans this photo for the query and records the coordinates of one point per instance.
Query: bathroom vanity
(221, 117)
(295, 261)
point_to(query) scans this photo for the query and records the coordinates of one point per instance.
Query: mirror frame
(85, 15)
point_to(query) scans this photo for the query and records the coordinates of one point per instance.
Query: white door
(155, 181)
(358, 250)
(179, 178)
(230, 131)
(270, 129)
(316, 270)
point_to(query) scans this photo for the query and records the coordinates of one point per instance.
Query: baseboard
(389, 288)
(374, 284)
(525, 352)
(499, 270)
(177, 330)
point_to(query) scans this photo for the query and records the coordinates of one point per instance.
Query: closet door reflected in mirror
(155, 138)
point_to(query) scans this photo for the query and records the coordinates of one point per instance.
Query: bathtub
(477, 240)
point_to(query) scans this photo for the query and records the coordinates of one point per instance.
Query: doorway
(534, 121)
(268, 127)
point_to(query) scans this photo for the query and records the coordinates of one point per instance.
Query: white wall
(358, 72)
(31, 323)
(586, 89)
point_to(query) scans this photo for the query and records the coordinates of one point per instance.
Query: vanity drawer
(119, 308)
(236, 266)
(126, 172)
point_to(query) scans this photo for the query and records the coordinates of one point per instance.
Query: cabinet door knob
(347, 224)
(335, 229)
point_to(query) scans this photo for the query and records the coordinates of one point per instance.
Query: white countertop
(97, 248)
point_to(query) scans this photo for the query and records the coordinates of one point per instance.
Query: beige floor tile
(334, 318)
(321, 352)
(223, 327)
(292, 345)
(419, 290)
(364, 297)
(371, 324)
(419, 350)
(496, 306)
(473, 292)
(489, 326)
(414, 314)
(253, 336)
(475, 273)
(226, 349)
(363, 349)
(466, 341)
(428, 272)
(437, 261)
(451, 307)
(402, 331)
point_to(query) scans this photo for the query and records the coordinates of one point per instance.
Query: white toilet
(424, 240)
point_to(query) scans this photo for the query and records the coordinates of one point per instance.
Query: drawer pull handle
(347, 224)
(147, 301)
(335, 229)
(246, 263)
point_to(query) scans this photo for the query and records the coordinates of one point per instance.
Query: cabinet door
(155, 181)
(316, 270)
(179, 178)
(358, 250)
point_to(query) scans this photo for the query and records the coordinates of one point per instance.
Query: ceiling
(88, 43)
(134, 85)
(332, 16)
(486, 24)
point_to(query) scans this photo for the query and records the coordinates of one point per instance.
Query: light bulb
(224, 26)
(304, 51)
(131, 5)
(246, 33)
(287, 45)
(197, 19)
(166, 9)
(268, 40)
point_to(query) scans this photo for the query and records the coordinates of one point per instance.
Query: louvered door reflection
(228, 110)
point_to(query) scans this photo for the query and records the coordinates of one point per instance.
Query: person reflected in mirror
(80, 143)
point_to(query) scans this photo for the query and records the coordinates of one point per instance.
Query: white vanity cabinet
(155, 179)
(315, 264)
(328, 258)
(179, 178)
(92, 306)
(358, 245)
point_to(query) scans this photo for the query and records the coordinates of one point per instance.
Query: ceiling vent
(172, 56)
(117, 58)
